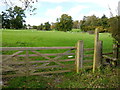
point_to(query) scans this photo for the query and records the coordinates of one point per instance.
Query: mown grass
(33, 38)
(102, 78)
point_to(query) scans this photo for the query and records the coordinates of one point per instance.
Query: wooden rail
(108, 53)
(33, 48)
(110, 58)
(28, 66)
(31, 55)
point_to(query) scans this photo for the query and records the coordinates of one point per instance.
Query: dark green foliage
(13, 18)
(115, 28)
(5, 20)
(64, 23)
(104, 22)
(46, 26)
(89, 23)
(34, 27)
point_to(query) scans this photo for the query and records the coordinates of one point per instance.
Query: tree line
(105, 24)
(89, 23)
(14, 18)
(64, 23)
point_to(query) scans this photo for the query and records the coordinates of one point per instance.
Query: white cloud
(53, 17)
(52, 14)
(103, 3)
(55, 12)
(58, 11)
(76, 11)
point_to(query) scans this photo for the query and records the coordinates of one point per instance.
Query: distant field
(33, 38)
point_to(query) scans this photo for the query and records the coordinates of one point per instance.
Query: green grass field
(85, 79)
(33, 38)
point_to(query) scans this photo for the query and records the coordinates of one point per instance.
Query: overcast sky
(50, 10)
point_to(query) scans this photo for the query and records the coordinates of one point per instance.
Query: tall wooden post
(79, 56)
(99, 61)
(27, 63)
(81, 53)
(115, 54)
(115, 51)
(95, 49)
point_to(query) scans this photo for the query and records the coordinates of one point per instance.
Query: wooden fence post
(27, 63)
(115, 51)
(79, 56)
(99, 61)
(115, 54)
(81, 53)
(95, 59)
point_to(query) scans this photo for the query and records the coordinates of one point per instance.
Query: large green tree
(104, 21)
(34, 27)
(114, 23)
(47, 26)
(89, 23)
(64, 23)
(13, 18)
(5, 20)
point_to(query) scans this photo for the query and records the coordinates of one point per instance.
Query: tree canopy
(115, 28)
(13, 18)
(89, 23)
(47, 26)
(111, 25)
(64, 23)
